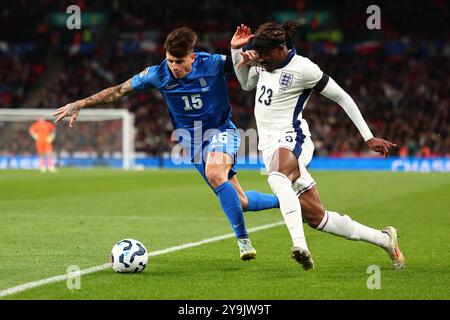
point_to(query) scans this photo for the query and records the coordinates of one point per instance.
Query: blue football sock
(261, 201)
(231, 205)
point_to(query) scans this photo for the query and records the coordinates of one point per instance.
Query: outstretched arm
(247, 75)
(334, 92)
(107, 95)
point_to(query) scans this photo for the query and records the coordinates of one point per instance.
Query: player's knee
(215, 176)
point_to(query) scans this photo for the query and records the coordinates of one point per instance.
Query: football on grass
(129, 256)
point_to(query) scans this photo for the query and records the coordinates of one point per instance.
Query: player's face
(180, 67)
(271, 59)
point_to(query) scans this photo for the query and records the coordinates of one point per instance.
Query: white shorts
(302, 147)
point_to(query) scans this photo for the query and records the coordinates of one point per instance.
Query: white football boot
(246, 250)
(397, 257)
(303, 257)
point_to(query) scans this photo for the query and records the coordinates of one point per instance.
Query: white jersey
(281, 97)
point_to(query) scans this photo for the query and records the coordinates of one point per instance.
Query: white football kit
(281, 96)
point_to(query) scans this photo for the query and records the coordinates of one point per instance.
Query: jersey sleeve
(334, 92)
(247, 76)
(311, 74)
(219, 61)
(144, 80)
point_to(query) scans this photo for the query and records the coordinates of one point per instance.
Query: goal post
(106, 134)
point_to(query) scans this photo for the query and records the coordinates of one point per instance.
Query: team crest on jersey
(286, 79)
(203, 82)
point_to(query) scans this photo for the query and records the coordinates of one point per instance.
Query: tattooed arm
(107, 95)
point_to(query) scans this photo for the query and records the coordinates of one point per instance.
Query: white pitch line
(38, 283)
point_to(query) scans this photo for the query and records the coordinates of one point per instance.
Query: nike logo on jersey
(290, 211)
(171, 86)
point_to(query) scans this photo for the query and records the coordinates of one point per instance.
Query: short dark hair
(180, 42)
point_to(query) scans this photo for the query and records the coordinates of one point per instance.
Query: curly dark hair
(276, 31)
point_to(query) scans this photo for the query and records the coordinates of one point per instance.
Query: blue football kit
(198, 104)
(200, 110)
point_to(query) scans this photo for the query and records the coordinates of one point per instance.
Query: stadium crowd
(402, 92)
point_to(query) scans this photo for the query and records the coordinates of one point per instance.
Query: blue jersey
(198, 101)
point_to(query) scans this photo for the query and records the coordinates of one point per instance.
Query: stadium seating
(400, 84)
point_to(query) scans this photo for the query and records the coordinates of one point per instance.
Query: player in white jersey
(284, 82)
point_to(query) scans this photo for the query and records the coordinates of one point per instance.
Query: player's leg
(318, 218)
(42, 162)
(218, 166)
(242, 196)
(40, 148)
(284, 168)
(252, 200)
(50, 158)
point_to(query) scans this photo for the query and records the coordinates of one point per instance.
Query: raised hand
(69, 110)
(241, 37)
(250, 58)
(380, 145)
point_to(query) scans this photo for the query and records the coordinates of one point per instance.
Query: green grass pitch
(51, 221)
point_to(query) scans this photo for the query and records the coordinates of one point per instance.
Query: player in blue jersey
(194, 88)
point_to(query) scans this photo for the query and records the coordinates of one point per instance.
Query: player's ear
(193, 56)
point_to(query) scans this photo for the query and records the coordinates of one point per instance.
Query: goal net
(101, 137)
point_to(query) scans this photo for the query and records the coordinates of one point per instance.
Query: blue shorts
(226, 140)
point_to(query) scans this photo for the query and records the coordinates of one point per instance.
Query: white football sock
(289, 206)
(344, 226)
